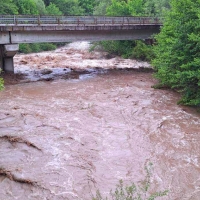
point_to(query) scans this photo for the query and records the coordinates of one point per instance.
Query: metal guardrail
(76, 20)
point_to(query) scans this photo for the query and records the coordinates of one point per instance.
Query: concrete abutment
(7, 53)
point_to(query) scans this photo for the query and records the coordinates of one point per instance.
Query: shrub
(142, 51)
(25, 48)
(47, 47)
(137, 192)
(38, 47)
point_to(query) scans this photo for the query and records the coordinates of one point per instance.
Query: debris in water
(14, 139)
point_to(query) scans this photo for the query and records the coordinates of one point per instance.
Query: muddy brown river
(64, 138)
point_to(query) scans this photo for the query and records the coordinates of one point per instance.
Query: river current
(65, 138)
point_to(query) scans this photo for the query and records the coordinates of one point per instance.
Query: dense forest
(85, 7)
(175, 55)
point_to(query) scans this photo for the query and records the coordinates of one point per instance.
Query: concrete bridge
(36, 29)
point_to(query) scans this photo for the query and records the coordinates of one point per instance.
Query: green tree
(8, 7)
(87, 6)
(177, 59)
(40, 6)
(101, 6)
(126, 8)
(156, 7)
(52, 9)
(69, 7)
(27, 7)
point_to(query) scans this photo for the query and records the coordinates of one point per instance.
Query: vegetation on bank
(1, 83)
(127, 49)
(175, 56)
(38, 47)
(177, 60)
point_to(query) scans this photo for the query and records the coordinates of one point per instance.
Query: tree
(52, 9)
(69, 7)
(88, 6)
(101, 6)
(8, 7)
(27, 7)
(177, 59)
(125, 8)
(156, 7)
(40, 6)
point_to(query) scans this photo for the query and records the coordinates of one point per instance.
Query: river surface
(67, 137)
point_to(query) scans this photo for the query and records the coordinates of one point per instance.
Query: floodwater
(68, 137)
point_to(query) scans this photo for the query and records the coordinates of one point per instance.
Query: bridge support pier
(7, 53)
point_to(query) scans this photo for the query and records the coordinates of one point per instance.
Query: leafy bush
(47, 46)
(142, 51)
(35, 47)
(137, 192)
(25, 48)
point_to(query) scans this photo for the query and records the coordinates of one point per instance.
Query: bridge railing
(75, 20)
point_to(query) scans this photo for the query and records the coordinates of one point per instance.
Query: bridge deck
(33, 29)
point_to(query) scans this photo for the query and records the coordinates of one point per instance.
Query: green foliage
(101, 6)
(1, 82)
(121, 48)
(127, 49)
(36, 47)
(24, 48)
(142, 51)
(69, 7)
(8, 7)
(40, 7)
(178, 51)
(52, 9)
(137, 192)
(156, 8)
(47, 46)
(125, 8)
(88, 6)
(27, 7)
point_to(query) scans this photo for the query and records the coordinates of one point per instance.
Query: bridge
(36, 29)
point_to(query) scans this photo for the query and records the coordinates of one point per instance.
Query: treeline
(85, 7)
(48, 7)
